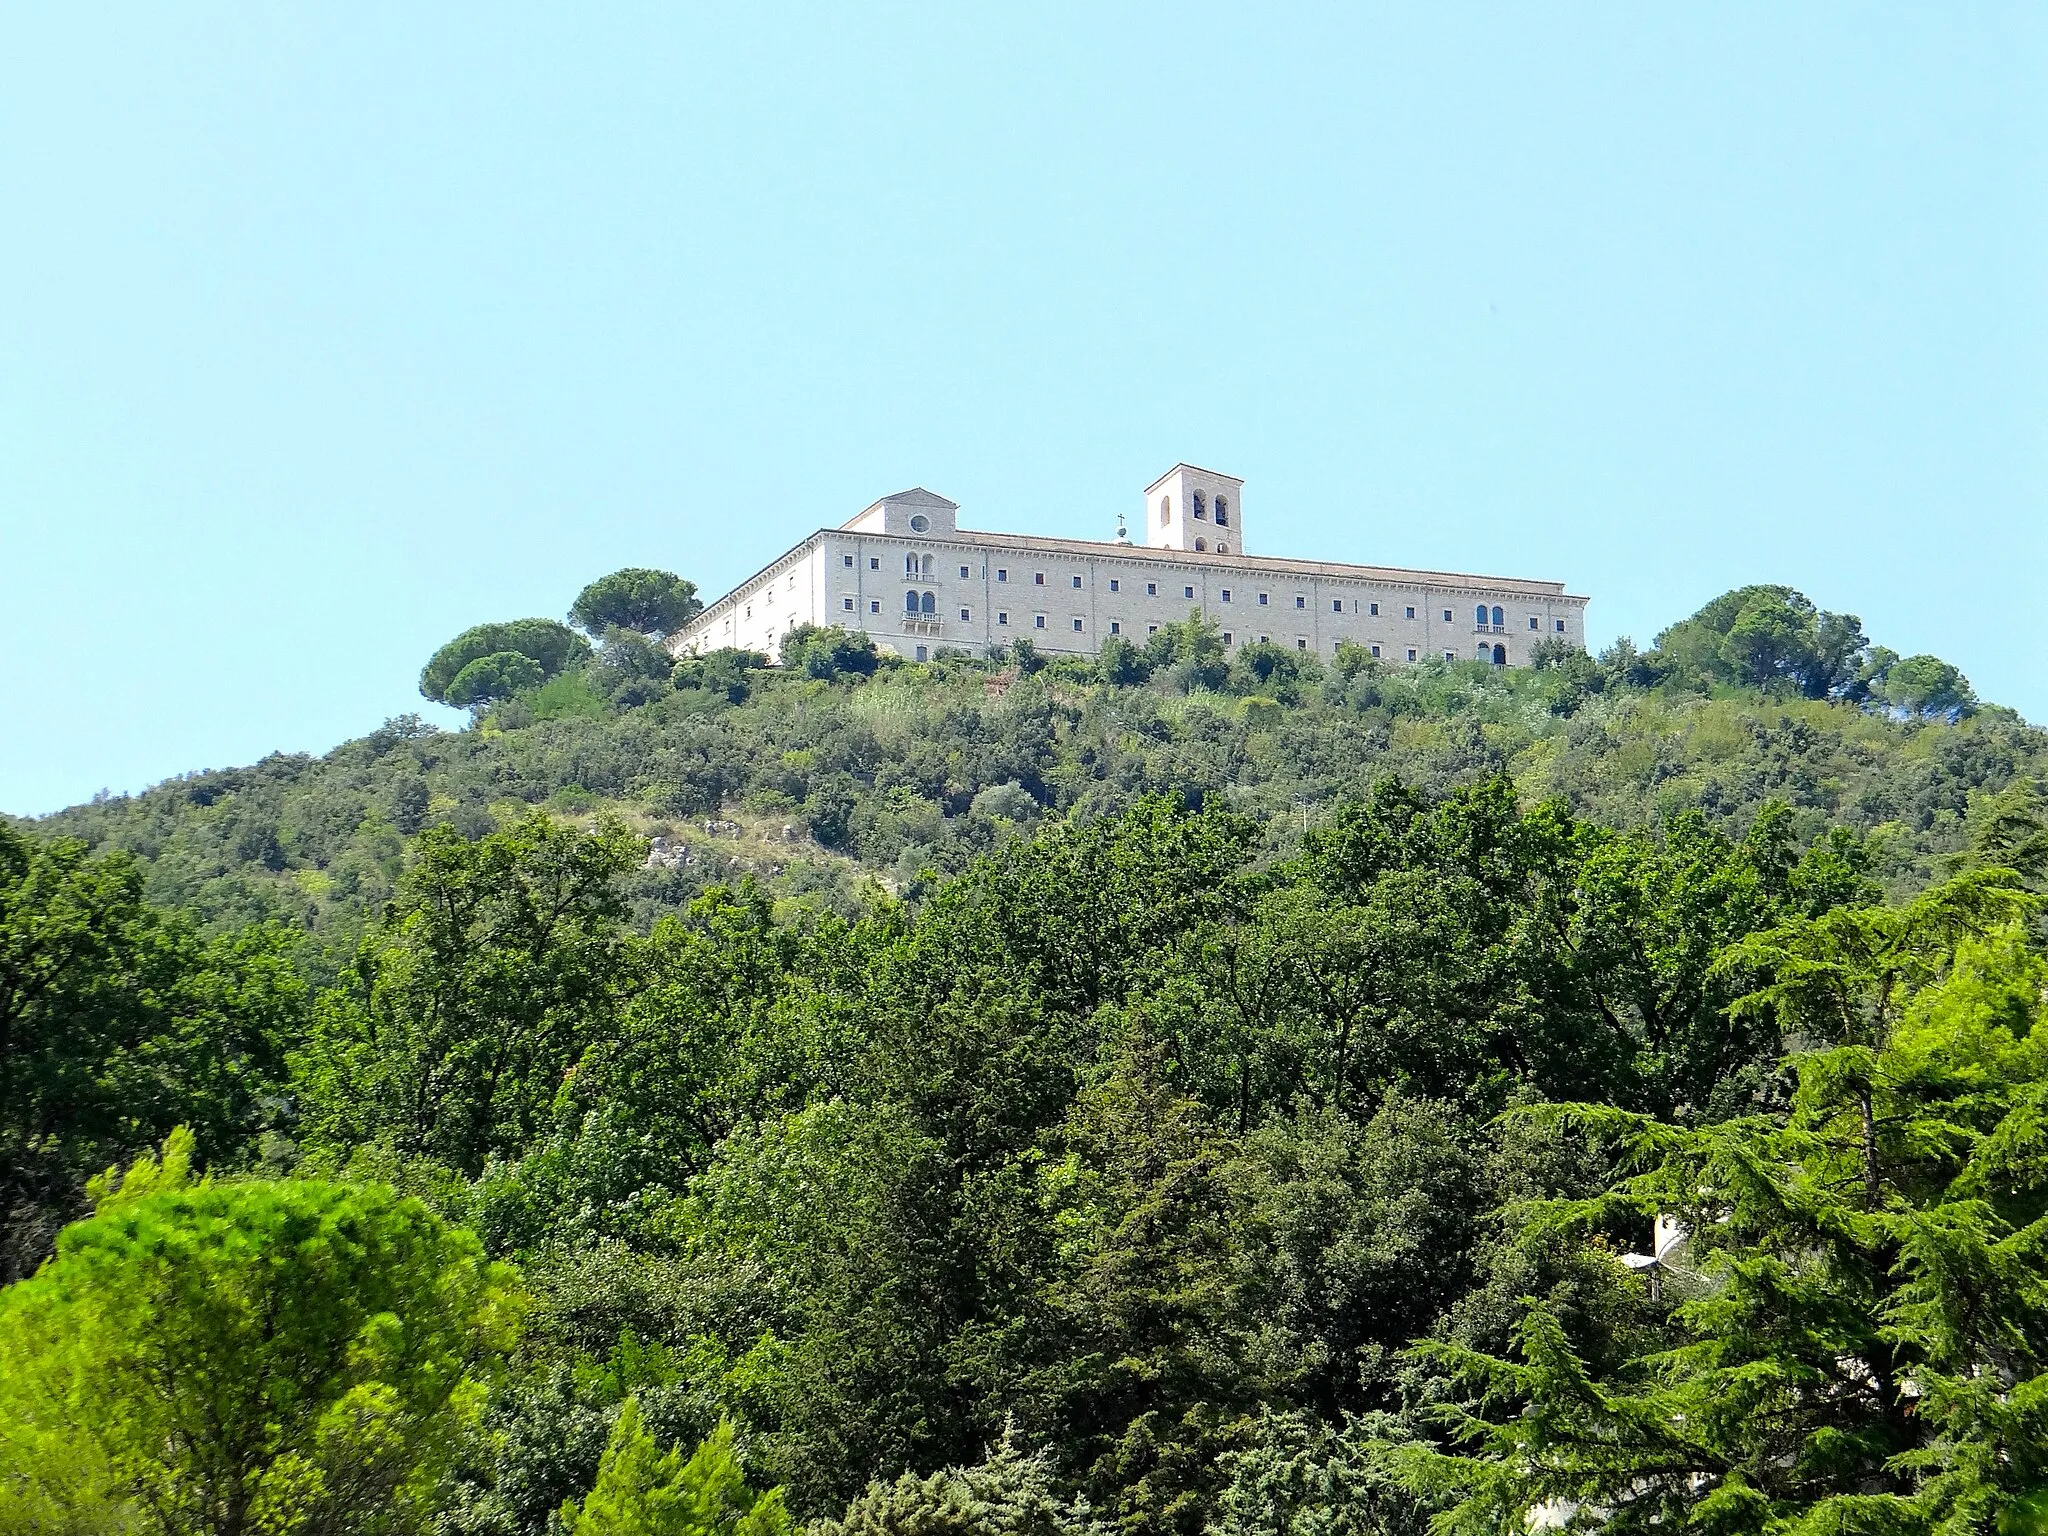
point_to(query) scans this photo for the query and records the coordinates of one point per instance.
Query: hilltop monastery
(905, 572)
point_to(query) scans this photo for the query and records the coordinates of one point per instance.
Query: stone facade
(908, 575)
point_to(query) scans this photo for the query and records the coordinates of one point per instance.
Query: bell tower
(1195, 509)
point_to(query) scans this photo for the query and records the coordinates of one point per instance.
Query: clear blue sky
(328, 330)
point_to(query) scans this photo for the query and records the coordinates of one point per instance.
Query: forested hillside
(1169, 1094)
(845, 765)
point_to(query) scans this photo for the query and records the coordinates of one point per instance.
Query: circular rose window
(919, 522)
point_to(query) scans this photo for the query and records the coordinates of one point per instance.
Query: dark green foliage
(118, 1022)
(655, 603)
(1926, 685)
(829, 652)
(1124, 1058)
(458, 1016)
(492, 679)
(1854, 1332)
(630, 670)
(548, 645)
(723, 673)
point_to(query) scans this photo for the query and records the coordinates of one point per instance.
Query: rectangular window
(1001, 574)
(1411, 614)
(1077, 626)
(1300, 644)
(966, 613)
(1226, 638)
(1262, 599)
(1375, 650)
(1300, 601)
(1038, 621)
(1038, 578)
(1450, 655)
(1002, 618)
(1373, 609)
(963, 573)
(1115, 585)
(1187, 591)
(1115, 628)
(1411, 653)
(1560, 626)
(874, 605)
(1226, 594)
(1151, 589)
(874, 562)
(1447, 619)
(1336, 605)
(1532, 623)
(1077, 583)
(1151, 629)
(846, 603)
(847, 561)
(1265, 639)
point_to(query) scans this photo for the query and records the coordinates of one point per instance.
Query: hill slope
(811, 783)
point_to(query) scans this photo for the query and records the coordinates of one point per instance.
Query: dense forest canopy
(1181, 1091)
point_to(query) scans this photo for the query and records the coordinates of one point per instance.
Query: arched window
(910, 602)
(1222, 549)
(929, 603)
(1480, 620)
(1499, 619)
(1165, 510)
(1201, 544)
(1222, 511)
(910, 565)
(1500, 655)
(928, 573)
(1201, 508)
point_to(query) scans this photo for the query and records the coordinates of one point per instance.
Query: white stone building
(906, 573)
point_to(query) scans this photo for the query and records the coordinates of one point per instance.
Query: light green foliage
(643, 1492)
(269, 1356)
(549, 645)
(646, 602)
(492, 679)
(1860, 1340)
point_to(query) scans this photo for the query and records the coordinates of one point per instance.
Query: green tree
(553, 647)
(1120, 663)
(656, 603)
(497, 964)
(1765, 635)
(1856, 1327)
(1008, 1494)
(643, 1492)
(269, 1356)
(1926, 686)
(493, 679)
(117, 1022)
(829, 652)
